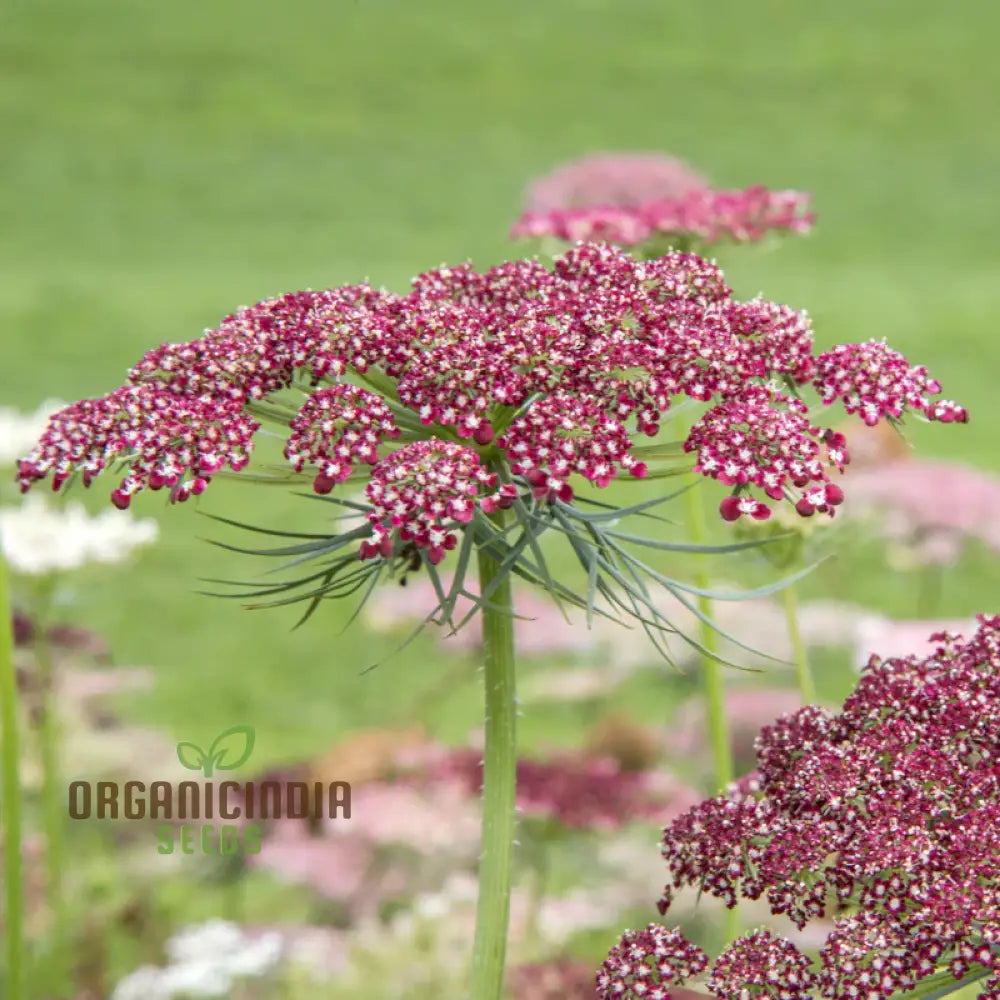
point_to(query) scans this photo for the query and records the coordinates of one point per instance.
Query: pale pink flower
(613, 179)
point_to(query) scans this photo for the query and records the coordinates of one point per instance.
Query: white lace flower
(19, 431)
(37, 538)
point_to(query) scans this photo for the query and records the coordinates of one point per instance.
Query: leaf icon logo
(229, 750)
(191, 756)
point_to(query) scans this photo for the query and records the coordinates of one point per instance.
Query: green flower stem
(52, 800)
(539, 890)
(715, 689)
(499, 783)
(10, 799)
(715, 692)
(545, 834)
(799, 653)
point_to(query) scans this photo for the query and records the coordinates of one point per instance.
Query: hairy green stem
(499, 783)
(800, 655)
(10, 798)
(714, 685)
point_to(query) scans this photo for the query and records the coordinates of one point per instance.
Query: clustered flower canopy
(889, 808)
(476, 391)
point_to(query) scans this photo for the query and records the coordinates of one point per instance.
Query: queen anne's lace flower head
(476, 390)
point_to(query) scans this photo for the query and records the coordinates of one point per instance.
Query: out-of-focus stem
(714, 685)
(10, 802)
(715, 694)
(52, 802)
(499, 783)
(799, 653)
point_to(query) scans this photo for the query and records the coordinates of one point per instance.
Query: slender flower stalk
(719, 737)
(52, 795)
(499, 780)
(715, 690)
(800, 655)
(10, 803)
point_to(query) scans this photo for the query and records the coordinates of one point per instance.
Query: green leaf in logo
(231, 749)
(191, 756)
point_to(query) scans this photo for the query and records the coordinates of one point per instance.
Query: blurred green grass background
(163, 164)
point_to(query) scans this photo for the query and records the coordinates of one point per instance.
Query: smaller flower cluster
(700, 215)
(566, 434)
(765, 439)
(416, 490)
(176, 441)
(336, 427)
(762, 965)
(645, 964)
(874, 381)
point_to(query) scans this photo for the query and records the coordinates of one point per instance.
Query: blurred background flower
(613, 179)
(40, 538)
(19, 430)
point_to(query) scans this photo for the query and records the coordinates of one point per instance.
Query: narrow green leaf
(692, 548)
(256, 528)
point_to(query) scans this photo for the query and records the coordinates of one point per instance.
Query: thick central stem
(499, 785)
(10, 802)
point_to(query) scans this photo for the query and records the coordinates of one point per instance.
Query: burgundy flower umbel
(697, 217)
(890, 808)
(481, 392)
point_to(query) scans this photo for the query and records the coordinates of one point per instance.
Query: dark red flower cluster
(890, 808)
(336, 427)
(492, 386)
(700, 214)
(765, 439)
(580, 791)
(762, 965)
(645, 964)
(874, 381)
(417, 491)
